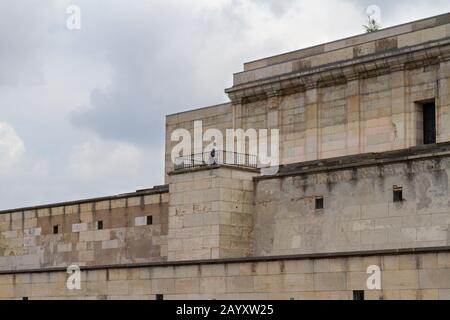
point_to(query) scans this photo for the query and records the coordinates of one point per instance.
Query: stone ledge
(138, 193)
(337, 72)
(329, 255)
(360, 39)
(213, 167)
(362, 160)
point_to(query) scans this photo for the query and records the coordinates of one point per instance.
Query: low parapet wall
(98, 231)
(406, 274)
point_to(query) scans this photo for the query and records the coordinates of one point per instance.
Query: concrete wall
(359, 211)
(27, 240)
(211, 214)
(407, 276)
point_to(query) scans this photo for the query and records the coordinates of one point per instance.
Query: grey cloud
(278, 7)
(23, 34)
(392, 11)
(153, 50)
(153, 61)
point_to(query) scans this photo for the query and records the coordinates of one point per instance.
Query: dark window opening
(358, 295)
(426, 123)
(159, 297)
(398, 194)
(55, 229)
(24, 298)
(149, 220)
(319, 203)
(100, 225)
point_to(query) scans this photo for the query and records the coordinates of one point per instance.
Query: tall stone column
(237, 114)
(274, 119)
(443, 101)
(402, 117)
(354, 138)
(312, 124)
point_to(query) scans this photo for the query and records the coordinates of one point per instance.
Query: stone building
(364, 128)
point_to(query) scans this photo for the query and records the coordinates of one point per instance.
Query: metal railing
(219, 157)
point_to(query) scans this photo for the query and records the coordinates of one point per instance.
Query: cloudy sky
(82, 111)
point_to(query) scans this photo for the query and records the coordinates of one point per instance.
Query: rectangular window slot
(55, 229)
(160, 297)
(100, 225)
(426, 123)
(398, 194)
(149, 220)
(358, 295)
(319, 203)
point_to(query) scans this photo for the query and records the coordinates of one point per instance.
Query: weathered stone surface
(320, 278)
(212, 214)
(27, 240)
(359, 212)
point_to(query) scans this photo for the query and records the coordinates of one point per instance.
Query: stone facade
(359, 210)
(347, 97)
(211, 213)
(357, 187)
(27, 239)
(405, 276)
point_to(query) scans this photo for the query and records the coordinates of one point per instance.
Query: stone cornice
(341, 72)
(213, 167)
(139, 193)
(307, 256)
(351, 162)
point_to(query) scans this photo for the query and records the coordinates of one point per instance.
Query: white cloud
(97, 160)
(97, 167)
(12, 147)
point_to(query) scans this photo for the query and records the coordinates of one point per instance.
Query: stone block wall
(210, 213)
(406, 276)
(444, 101)
(373, 113)
(359, 209)
(27, 239)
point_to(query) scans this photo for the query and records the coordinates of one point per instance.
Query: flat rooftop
(137, 193)
(405, 28)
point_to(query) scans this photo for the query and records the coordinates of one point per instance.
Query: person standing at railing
(213, 156)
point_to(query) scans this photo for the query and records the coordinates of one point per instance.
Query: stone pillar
(443, 101)
(237, 114)
(312, 124)
(402, 118)
(274, 120)
(210, 213)
(273, 113)
(273, 100)
(354, 138)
